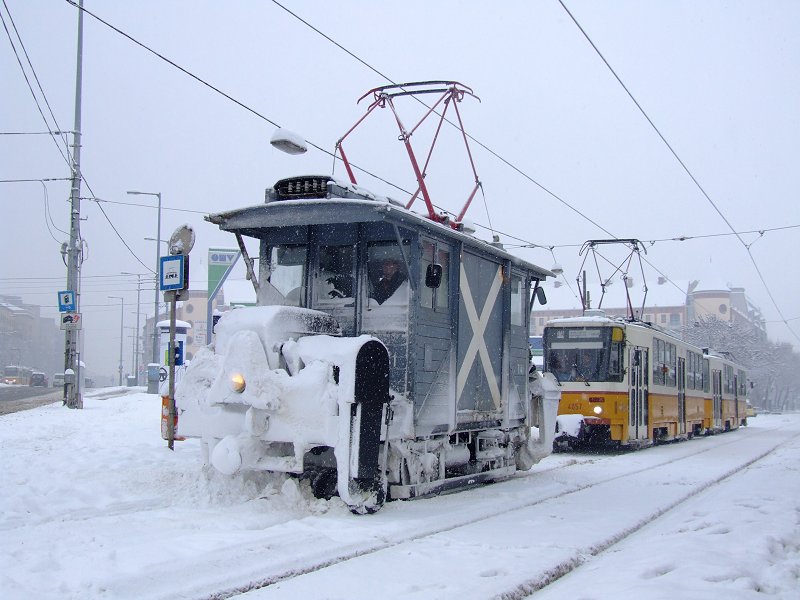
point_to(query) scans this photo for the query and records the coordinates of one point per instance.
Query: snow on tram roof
(354, 205)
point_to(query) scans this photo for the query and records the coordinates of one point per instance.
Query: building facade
(667, 305)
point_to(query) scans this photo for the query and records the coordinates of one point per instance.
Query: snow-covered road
(95, 506)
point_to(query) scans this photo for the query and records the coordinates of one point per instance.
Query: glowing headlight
(598, 410)
(237, 382)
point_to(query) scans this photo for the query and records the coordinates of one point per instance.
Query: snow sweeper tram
(387, 357)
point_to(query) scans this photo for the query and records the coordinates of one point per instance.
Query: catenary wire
(492, 152)
(30, 87)
(685, 168)
(68, 157)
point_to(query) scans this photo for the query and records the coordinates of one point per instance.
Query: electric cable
(685, 168)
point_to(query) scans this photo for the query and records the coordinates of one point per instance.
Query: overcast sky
(720, 81)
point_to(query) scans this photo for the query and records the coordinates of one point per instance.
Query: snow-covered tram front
(387, 356)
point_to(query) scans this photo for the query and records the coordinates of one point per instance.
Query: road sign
(66, 301)
(71, 320)
(171, 273)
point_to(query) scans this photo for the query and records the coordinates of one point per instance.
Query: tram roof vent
(311, 187)
(594, 312)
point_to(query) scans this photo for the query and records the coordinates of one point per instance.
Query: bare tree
(773, 370)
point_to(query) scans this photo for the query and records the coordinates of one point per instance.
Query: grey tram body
(458, 354)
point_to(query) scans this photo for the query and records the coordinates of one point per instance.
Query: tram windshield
(287, 276)
(583, 353)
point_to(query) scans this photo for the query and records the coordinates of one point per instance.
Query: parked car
(58, 380)
(38, 379)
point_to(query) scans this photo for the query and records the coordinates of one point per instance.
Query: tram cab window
(583, 354)
(335, 280)
(387, 290)
(387, 275)
(287, 275)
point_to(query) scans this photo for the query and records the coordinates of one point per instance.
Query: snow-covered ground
(94, 505)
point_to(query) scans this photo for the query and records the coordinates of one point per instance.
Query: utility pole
(138, 306)
(73, 398)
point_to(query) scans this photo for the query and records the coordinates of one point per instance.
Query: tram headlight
(598, 410)
(238, 383)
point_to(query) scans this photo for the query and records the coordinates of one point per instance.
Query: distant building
(726, 303)
(27, 338)
(668, 305)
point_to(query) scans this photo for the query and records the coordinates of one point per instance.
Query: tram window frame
(334, 287)
(518, 300)
(438, 298)
(658, 361)
(274, 261)
(616, 358)
(665, 363)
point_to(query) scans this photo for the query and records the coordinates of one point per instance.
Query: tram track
(487, 510)
(584, 556)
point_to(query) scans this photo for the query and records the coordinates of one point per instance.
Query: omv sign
(222, 257)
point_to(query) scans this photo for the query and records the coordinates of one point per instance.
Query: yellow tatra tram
(630, 384)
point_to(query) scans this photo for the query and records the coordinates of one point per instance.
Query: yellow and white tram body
(628, 383)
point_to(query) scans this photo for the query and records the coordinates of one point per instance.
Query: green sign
(219, 261)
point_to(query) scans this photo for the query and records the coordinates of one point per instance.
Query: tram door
(637, 394)
(716, 390)
(681, 395)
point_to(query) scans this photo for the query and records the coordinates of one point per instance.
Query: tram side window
(729, 384)
(426, 293)
(442, 293)
(658, 361)
(694, 377)
(672, 365)
(438, 298)
(706, 375)
(517, 301)
(664, 365)
(616, 361)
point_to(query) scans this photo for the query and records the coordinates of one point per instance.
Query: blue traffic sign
(66, 301)
(171, 273)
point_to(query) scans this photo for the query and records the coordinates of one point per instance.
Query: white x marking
(477, 344)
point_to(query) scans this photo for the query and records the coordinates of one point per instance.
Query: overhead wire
(683, 165)
(68, 158)
(30, 86)
(502, 159)
(481, 144)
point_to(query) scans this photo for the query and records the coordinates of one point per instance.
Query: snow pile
(569, 425)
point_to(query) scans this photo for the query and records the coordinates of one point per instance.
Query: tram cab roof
(333, 202)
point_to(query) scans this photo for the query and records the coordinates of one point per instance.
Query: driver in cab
(390, 278)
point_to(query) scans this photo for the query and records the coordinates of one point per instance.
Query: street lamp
(121, 332)
(158, 261)
(136, 345)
